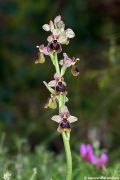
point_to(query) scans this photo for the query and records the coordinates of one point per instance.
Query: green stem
(56, 63)
(66, 140)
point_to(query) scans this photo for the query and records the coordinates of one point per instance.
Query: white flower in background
(7, 175)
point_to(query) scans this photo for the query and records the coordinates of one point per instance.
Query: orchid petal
(56, 32)
(51, 26)
(49, 39)
(46, 27)
(61, 25)
(63, 39)
(52, 83)
(57, 19)
(69, 33)
(56, 76)
(56, 118)
(72, 119)
(64, 109)
(61, 62)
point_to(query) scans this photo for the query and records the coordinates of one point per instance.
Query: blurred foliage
(43, 165)
(94, 97)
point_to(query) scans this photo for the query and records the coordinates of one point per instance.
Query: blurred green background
(94, 96)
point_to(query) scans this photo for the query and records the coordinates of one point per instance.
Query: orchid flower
(58, 83)
(70, 62)
(64, 119)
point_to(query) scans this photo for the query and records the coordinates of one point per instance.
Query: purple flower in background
(102, 161)
(87, 154)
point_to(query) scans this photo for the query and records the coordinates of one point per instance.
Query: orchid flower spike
(64, 119)
(57, 87)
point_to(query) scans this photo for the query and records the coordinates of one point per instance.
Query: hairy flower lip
(54, 46)
(75, 70)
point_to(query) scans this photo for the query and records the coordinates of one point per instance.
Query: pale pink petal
(46, 27)
(62, 39)
(52, 83)
(56, 32)
(49, 39)
(56, 118)
(56, 76)
(61, 62)
(67, 60)
(69, 33)
(51, 26)
(64, 109)
(61, 25)
(72, 119)
(57, 19)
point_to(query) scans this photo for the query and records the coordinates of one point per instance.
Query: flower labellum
(54, 46)
(74, 70)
